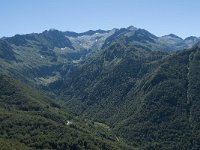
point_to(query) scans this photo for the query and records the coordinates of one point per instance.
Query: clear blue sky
(161, 17)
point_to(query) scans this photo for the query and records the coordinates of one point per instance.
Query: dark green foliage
(32, 119)
(104, 81)
(150, 101)
(10, 144)
(166, 115)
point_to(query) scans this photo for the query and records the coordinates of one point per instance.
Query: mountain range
(106, 89)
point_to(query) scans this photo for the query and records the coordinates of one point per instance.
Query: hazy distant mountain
(191, 41)
(90, 41)
(146, 40)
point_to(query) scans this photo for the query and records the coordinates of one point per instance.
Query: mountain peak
(173, 36)
(132, 28)
(52, 29)
(91, 32)
(191, 38)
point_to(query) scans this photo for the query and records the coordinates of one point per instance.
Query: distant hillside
(38, 58)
